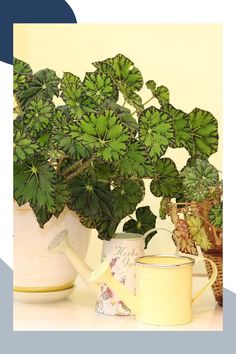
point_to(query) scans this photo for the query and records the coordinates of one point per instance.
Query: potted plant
(198, 216)
(91, 152)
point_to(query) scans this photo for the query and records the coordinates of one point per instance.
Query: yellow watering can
(163, 284)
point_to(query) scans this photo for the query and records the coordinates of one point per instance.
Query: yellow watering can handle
(211, 281)
(163, 229)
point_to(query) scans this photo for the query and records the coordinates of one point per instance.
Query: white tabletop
(77, 314)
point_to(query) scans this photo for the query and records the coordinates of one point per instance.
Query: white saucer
(42, 297)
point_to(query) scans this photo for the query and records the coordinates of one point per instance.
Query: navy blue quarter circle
(28, 11)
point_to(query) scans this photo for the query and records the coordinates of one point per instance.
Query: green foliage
(155, 131)
(198, 180)
(125, 75)
(91, 153)
(182, 131)
(38, 115)
(134, 162)
(160, 92)
(24, 147)
(166, 182)
(105, 135)
(125, 198)
(22, 75)
(44, 85)
(145, 221)
(89, 197)
(204, 128)
(34, 182)
(216, 215)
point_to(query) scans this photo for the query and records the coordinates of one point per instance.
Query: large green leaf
(126, 76)
(102, 171)
(122, 70)
(105, 135)
(182, 132)
(204, 129)
(24, 146)
(198, 179)
(65, 139)
(44, 85)
(155, 131)
(89, 197)
(38, 115)
(72, 94)
(134, 162)
(166, 182)
(159, 92)
(42, 214)
(106, 227)
(145, 221)
(125, 198)
(62, 195)
(34, 182)
(22, 75)
(124, 115)
(99, 87)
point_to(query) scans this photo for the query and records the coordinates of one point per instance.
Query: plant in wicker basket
(198, 216)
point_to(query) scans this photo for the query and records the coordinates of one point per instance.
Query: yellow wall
(185, 58)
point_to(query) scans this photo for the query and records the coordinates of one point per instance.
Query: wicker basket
(217, 287)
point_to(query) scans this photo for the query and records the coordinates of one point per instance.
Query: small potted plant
(198, 217)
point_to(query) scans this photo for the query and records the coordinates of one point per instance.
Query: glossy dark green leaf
(126, 76)
(125, 198)
(42, 214)
(106, 227)
(160, 92)
(166, 182)
(155, 131)
(24, 146)
(62, 195)
(44, 85)
(22, 75)
(105, 135)
(145, 221)
(38, 115)
(134, 162)
(122, 70)
(99, 87)
(124, 115)
(89, 197)
(34, 182)
(204, 129)
(182, 131)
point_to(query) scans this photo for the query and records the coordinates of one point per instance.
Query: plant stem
(151, 98)
(81, 168)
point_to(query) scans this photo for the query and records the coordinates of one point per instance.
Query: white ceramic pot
(35, 268)
(122, 251)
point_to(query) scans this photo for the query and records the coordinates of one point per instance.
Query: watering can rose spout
(103, 275)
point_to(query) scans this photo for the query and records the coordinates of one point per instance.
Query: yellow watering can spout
(103, 275)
